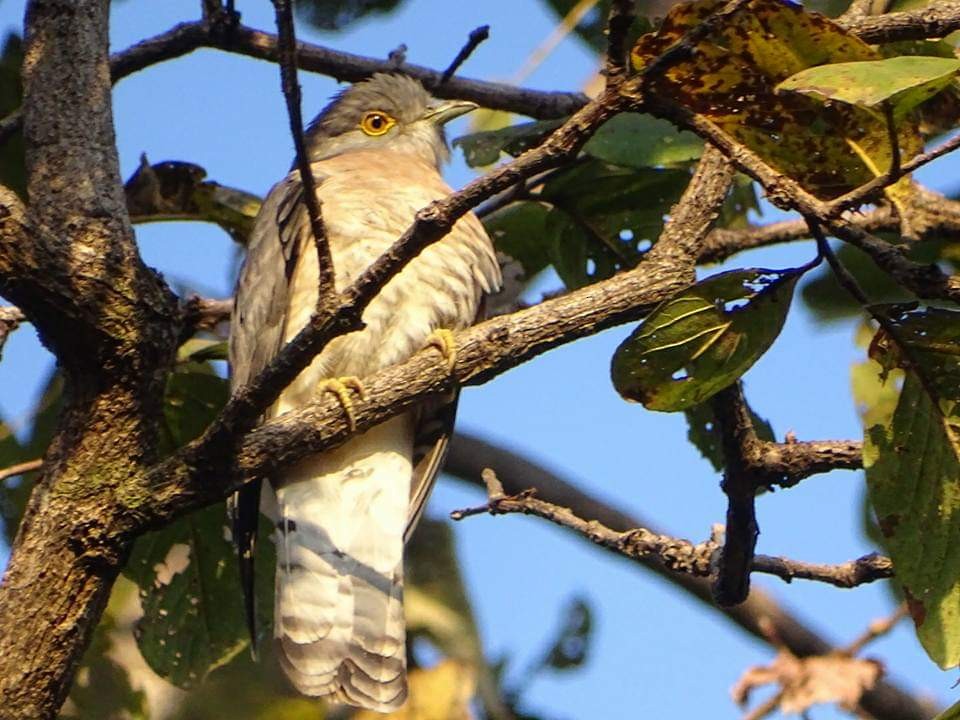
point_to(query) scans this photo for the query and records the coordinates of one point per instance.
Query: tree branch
(469, 456)
(477, 36)
(326, 294)
(739, 441)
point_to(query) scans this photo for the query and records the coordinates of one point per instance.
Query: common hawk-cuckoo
(342, 516)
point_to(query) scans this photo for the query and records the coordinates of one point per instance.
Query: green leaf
(193, 617)
(483, 148)
(912, 461)
(102, 690)
(951, 713)
(518, 230)
(605, 217)
(177, 191)
(340, 14)
(702, 340)
(201, 349)
(904, 81)
(569, 649)
(643, 141)
(194, 395)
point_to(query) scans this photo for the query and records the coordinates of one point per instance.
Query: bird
(342, 516)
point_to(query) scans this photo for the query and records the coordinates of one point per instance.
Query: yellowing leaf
(703, 339)
(732, 77)
(904, 81)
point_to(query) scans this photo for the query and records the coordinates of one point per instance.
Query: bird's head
(386, 112)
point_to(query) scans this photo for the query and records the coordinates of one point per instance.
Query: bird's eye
(376, 123)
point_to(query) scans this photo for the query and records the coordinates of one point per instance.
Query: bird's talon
(444, 341)
(340, 387)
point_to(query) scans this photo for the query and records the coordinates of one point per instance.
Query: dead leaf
(805, 682)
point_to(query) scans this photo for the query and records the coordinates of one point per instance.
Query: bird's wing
(256, 336)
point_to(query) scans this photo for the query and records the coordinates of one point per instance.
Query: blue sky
(655, 650)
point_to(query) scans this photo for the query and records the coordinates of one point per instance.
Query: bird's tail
(338, 616)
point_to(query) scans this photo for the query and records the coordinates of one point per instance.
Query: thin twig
(877, 629)
(676, 554)
(477, 36)
(291, 92)
(20, 468)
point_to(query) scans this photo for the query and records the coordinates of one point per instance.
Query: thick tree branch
(935, 20)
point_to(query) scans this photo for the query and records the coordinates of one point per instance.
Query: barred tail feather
(339, 588)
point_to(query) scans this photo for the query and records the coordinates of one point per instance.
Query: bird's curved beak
(443, 112)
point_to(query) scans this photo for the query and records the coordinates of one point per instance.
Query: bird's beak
(444, 112)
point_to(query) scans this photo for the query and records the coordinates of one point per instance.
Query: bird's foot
(340, 387)
(444, 341)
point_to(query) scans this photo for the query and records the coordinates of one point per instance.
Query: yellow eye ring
(376, 123)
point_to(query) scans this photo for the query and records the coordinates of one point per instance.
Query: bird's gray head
(386, 112)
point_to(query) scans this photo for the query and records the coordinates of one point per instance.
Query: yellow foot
(341, 388)
(443, 341)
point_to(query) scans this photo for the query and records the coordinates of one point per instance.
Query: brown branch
(926, 281)
(935, 20)
(877, 629)
(326, 295)
(431, 224)
(675, 554)
(20, 468)
(739, 441)
(477, 36)
(469, 456)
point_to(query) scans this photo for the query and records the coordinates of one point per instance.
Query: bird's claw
(444, 341)
(340, 387)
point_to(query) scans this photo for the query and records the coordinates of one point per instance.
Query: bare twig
(877, 629)
(469, 456)
(676, 554)
(20, 468)
(477, 36)
(291, 91)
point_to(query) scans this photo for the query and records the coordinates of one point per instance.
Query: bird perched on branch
(342, 516)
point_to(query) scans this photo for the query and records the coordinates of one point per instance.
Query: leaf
(731, 80)
(702, 340)
(518, 230)
(912, 461)
(176, 191)
(605, 217)
(199, 350)
(704, 434)
(805, 682)
(951, 713)
(102, 689)
(340, 14)
(193, 617)
(642, 141)
(483, 148)
(570, 648)
(904, 82)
